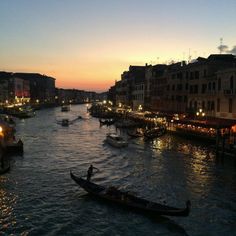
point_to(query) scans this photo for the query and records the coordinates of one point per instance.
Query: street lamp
(200, 113)
(140, 108)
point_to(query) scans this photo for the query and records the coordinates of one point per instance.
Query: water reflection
(7, 202)
(38, 197)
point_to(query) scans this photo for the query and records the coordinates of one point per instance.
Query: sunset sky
(87, 44)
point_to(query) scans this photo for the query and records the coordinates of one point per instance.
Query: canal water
(38, 197)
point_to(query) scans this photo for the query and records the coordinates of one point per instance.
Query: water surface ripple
(37, 197)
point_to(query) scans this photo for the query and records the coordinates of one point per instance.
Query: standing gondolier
(90, 172)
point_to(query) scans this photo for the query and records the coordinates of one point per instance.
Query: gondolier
(90, 172)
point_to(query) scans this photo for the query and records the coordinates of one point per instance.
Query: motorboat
(116, 140)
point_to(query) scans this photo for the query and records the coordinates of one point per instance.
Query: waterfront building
(194, 88)
(226, 93)
(4, 84)
(111, 95)
(75, 96)
(130, 89)
(42, 87)
(203, 84)
(14, 90)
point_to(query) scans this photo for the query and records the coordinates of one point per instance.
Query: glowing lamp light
(1, 129)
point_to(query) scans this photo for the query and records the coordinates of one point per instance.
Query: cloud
(223, 48)
(233, 50)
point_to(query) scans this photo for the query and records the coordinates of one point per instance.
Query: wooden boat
(22, 112)
(15, 147)
(4, 169)
(112, 194)
(65, 108)
(65, 122)
(135, 134)
(116, 140)
(107, 122)
(154, 132)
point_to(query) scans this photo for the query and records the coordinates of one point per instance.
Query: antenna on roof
(221, 44)
(189, 56)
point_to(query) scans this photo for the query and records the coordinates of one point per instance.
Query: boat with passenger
(65, 122)
(22, 112)
(65, 108)
(4, 169)
(15, 147)
(116, 140)
(126, 199)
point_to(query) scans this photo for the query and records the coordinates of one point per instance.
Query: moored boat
(154, 132)
(15, 147)
(65, 108)
(4, 169)
(135, 134)
(107, 122)
(116, 140)
(112, 194)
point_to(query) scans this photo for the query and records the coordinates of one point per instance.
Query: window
(218, 105)
(203, 105)
(209, 86)
(212, 106)
(196, 74)
(208, 105)
(213, 86)
(187, 75)
(231, 82)
(230, 105)
(204, 86)
(219, 84)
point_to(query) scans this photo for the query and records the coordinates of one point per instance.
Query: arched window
(219, 84)
(231, 82)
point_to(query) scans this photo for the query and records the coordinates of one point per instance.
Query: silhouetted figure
(90, 172)
(20, 142)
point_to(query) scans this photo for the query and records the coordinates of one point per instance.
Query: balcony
(230, 92)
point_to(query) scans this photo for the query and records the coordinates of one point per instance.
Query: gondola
(135, 134)
(112, 194)
(107, 122)
(154, 132)
(4, 169)
(15, 147)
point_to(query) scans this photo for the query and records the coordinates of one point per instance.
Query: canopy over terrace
(214, 123)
